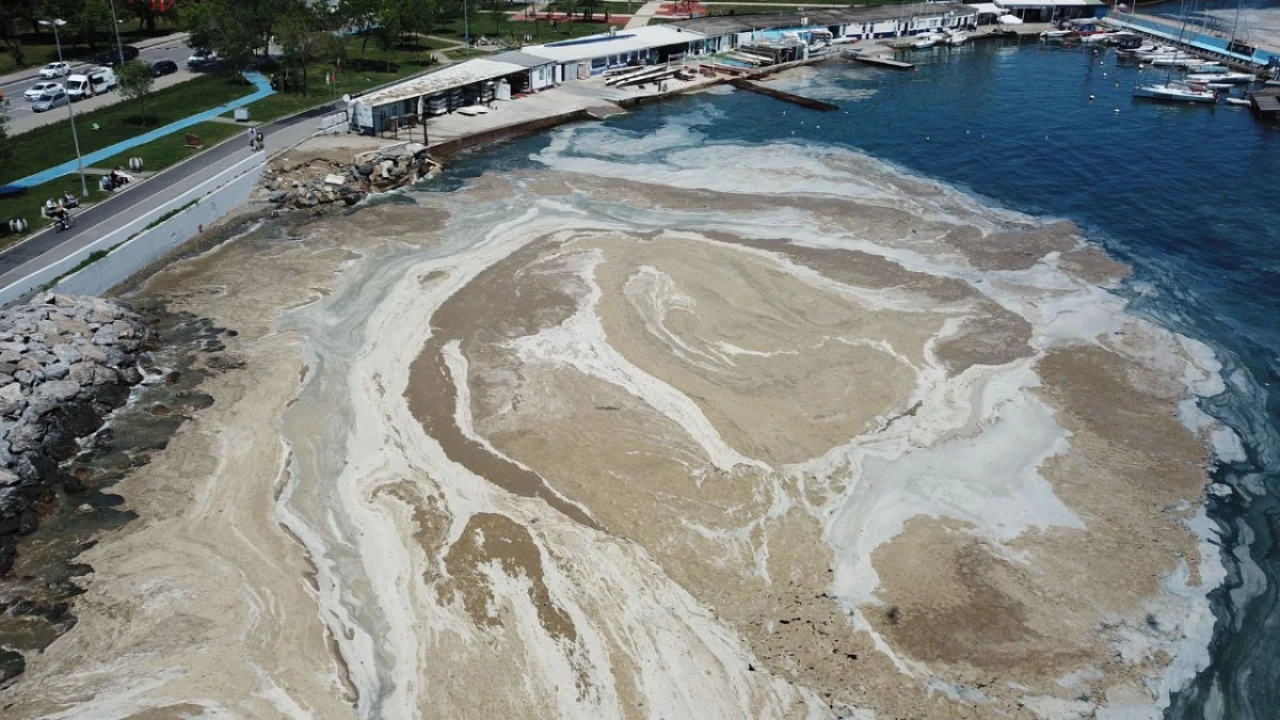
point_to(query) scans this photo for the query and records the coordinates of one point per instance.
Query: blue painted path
(258, 79)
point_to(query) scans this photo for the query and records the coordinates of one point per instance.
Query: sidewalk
(258, 79)
(642, 16)
(33, 73)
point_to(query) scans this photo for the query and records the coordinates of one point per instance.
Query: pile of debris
(322, 180)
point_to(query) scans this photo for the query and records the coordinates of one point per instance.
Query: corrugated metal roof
(463, 73)
(625, 41)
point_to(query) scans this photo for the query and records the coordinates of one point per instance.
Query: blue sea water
(1189, 196)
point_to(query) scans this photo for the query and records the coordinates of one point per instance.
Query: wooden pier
(810, 103)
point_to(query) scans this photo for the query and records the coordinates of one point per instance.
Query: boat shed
(580, 58)
(725, 32)
(542, 72)
(466, 83)
(1052, 10)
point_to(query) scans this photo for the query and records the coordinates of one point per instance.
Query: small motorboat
(1176, 92)
(956, 38)
(1095, 37)
(1056, 34)
(927, 40)
(1239, 102)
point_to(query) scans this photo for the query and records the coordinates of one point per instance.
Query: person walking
(258, 138)
(253, 140)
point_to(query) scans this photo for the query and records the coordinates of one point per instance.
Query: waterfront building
(725, 32)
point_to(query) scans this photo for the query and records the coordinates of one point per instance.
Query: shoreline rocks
(65, 364)
(321, 181)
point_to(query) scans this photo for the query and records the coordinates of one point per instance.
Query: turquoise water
(1190, 196)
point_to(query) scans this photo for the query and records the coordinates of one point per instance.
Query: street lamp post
(466, 28)
(71, 113)
(116, 23)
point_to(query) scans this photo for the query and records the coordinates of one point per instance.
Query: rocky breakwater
(65, 364)
(322, 179)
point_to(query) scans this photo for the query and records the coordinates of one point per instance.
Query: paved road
(99, 219)
(22, 119)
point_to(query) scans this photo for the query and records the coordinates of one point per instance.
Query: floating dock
(810, 103)
(1266, 101)
(880, 61)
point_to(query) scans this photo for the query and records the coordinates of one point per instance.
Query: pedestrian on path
(258, 138)
(253, 140)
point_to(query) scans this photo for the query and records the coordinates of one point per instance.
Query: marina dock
(879, 60)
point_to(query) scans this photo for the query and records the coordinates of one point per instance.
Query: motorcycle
(66, 222)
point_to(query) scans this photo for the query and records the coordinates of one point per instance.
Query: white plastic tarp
(1009, 20)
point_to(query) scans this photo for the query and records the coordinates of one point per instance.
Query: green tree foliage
(135, 83)
(14, 13)
(86, 19)
(237, 29)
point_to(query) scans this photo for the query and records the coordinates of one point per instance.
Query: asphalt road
(21, 118)
(13, 257)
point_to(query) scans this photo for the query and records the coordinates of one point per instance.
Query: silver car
(50, 100)
(34, 92)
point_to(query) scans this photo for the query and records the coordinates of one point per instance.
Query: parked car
(95, 82)
(41, 88)
(164, 67)
(50, 100)
(55, 70)
(112, 57)
(202, 57)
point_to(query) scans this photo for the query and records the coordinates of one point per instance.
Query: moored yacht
(1176, 92)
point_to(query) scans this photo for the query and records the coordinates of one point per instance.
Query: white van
(94, 82)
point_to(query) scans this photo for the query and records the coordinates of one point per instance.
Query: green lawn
(171, 149)
(50, 145)
(514, 31)
(156, 155)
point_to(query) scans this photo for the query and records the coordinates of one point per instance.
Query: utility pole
(71, 113)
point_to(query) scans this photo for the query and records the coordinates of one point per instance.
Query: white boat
(1241, 102)
(957, 37)
(926, 40)
(1175, 91)
(1098, 37)
(1056, 34)
(1140, 50)
(1223, 77)
(1169, 60)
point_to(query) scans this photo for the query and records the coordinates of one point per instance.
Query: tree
(135, 83)
(11, 13)
(298, 35)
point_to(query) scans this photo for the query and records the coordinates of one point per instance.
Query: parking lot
(21, 117)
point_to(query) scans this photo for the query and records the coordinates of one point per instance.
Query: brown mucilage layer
(545, 448)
